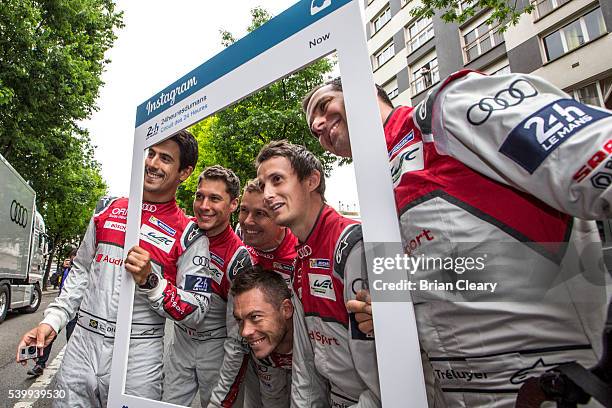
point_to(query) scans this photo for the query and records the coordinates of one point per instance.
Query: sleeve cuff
(157, 292)
(55, 321)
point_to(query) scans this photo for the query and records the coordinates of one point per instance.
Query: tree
(234, 136)
(503, 12)
(78, 186)
(51, 61)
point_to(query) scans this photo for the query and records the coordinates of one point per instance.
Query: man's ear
(185, 173)
(313, 180)
(234, 205)
(287, 309)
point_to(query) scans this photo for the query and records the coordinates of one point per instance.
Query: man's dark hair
(303, 161)
(336, 85)
(252, 186)
(231, 180)
(188, 148)
(270, 283)
(72, 252)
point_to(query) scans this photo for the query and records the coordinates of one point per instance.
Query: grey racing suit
(94, 285)
(491, 167)
(210, 354)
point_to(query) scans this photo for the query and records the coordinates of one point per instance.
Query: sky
(158, 45)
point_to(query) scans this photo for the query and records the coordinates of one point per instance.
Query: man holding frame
(209, 356)
(172, 240)
(329, 266)
(443, 204)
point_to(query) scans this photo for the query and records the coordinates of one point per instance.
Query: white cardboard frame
(306, 32)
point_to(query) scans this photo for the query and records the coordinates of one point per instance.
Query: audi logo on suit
(19, 214)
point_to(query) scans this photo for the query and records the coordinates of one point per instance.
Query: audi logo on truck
(19, 214)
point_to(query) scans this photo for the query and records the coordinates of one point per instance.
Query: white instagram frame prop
(304, 33)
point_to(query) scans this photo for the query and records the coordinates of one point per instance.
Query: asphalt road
(17, 389)
(14, 382)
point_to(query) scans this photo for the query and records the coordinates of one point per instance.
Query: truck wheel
(36, 299)
(4, 301)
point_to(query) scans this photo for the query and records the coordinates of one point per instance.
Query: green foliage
(503, 12)
(51, 61)
(234, 136)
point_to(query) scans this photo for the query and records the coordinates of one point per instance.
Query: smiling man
(210, 355)
(95, 280)
(263, 310)
(272, 246)
(328, 347)
(472, 166)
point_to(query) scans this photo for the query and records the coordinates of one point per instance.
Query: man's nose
(247, 329)
(153, 161)
(318, 124)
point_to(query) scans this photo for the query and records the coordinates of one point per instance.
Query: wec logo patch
(530, 143)
(321, 286)
(409, 158)
(156, 238)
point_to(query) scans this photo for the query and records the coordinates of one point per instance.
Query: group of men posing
(290, 333)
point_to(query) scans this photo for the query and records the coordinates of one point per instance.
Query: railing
(422, 82)
(415, 41)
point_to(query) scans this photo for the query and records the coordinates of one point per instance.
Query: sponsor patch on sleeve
(530, 143)
(196, 283)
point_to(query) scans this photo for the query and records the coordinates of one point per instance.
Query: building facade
(567, 42)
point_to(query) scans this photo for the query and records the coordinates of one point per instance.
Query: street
(15, 383)
(17, 389)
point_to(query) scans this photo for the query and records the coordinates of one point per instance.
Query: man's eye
(324, 105)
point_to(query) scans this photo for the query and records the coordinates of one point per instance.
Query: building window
(381, 19)
(425, 76)
(573, 35)
(418, 33)
(480, 40)
(502, 71)
(404, 2)
(391, 88)
(466, 4)
(384, 55)
(594, 93)
(544, 7)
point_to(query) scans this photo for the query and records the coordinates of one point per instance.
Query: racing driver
(490, 159)
(95, 280)
(330, 355)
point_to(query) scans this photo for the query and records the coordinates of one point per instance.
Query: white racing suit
(534, 156)
(334, 364)
(210, 354)
(94, 284)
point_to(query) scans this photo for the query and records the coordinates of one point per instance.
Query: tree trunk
(48, 268)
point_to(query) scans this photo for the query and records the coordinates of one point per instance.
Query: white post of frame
(309, 30)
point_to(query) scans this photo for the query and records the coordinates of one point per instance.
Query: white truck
(22, 244)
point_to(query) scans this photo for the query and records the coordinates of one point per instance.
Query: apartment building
(568, 42)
